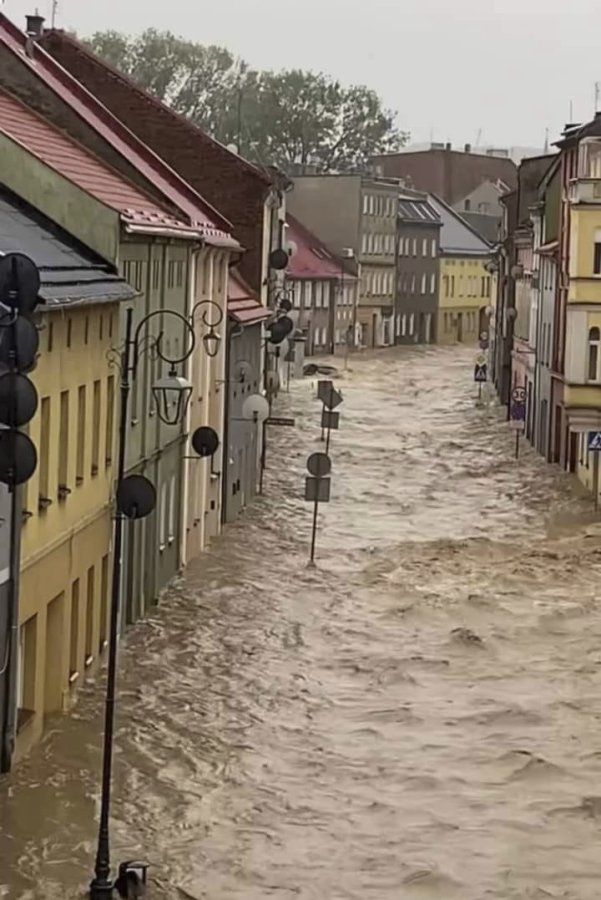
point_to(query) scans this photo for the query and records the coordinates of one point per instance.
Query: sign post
(480, 373)
(317, 490)
(518, 415)
(330, 420)
(594, 446)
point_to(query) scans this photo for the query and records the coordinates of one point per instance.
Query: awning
(242, 307)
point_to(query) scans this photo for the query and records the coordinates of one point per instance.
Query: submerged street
(417, 717)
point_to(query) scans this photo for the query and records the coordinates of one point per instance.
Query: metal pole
(314, 531)
(328, 441)
(101, 887)
(479, 390)
(517, 443)
(264, 426)
(596, 480)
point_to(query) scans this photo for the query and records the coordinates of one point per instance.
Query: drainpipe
(231, 334)
(9, 724)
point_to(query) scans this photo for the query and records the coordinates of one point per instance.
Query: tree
(289, 118)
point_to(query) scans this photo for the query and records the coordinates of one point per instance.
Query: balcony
(587, 190)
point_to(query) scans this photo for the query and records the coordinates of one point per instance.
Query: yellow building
(580, 269)
(465, 283)
(66, 532)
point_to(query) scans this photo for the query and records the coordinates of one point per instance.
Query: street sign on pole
(280, 420)
(330, 420)
(328, 395)
(317, 490)
(480, 373)
(594, 441)
(594, 446)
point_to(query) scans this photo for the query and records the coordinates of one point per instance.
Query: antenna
(54, 12)
(597, 95)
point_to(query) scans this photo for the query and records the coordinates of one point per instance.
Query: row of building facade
(121, 203)
(546, 328)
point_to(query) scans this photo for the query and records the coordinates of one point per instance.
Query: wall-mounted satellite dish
(279, 329)
(136, 497)
(19, 283)
(255, 408)
(23, 336)
(205, 441)
(278, 259)
(18, 458)
(18, 399)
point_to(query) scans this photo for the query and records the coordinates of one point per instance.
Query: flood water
(417, 717)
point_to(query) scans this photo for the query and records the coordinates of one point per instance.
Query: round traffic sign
(319, 465)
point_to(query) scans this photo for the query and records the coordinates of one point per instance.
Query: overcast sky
(507, 69)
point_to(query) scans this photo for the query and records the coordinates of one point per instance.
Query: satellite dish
(136, 497)
(25, 338)
(233, 148)
(19, 283)
(18, 399)
(205, 441)
(255, 408)
(278, 259)
(280, 329)
(18, 458)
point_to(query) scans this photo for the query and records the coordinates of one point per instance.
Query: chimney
(448, 146)
(34, 25)
(468, 148)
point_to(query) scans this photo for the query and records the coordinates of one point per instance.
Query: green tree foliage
(280, 118)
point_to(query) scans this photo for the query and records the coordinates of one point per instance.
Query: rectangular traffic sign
(330, 420)
(594, 441)
(280, 420)
(323, 389)
(317, 489)
(328, 395)
(480, 372)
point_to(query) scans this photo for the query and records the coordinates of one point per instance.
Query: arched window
(594, 340)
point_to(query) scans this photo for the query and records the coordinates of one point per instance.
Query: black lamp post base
(101, 889)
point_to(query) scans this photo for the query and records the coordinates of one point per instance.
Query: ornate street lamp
(135, 499)
(212, 317)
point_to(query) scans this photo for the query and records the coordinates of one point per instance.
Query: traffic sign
(328, 395)
(480, 372)
(319, 465)
(280, 420)
(480, 359)
(317, 490)
(330, 420)
(594, 441)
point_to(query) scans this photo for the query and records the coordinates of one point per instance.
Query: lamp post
(135, 499)
(212, 317)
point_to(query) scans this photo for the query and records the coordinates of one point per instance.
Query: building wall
(243, 438)
(208, 375)
(163, 272)
(330, 207)
(464, 293)
(483, 199)
(416, 303)
(66, 535)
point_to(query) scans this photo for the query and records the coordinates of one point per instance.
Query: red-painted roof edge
(111, 122)
(154, 101)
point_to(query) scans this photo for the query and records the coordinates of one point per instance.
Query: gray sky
(452, 68)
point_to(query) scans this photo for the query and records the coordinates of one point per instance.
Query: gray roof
(456, 236)
(70, 273)
(486, 225)
(414, 209)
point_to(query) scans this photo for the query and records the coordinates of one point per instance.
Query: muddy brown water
(419, 717)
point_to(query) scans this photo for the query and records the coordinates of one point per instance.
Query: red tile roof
(213, 226)
(242, 306)
(74, 162)
(311, 258)
(230, 183)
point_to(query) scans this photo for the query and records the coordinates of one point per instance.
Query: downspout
(9, 724)
(194, 254)
(225, 457)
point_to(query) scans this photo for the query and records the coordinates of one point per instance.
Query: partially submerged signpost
(317, 483)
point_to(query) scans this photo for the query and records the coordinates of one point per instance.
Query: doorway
(460, 327)
(374, 329)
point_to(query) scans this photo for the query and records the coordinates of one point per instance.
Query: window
(412, 324)
(403, 326)
(110, 420)
(74, 633)
(50, 337)
(365, 204)
(179, 273)
(415, 246)
(307, 294)
(156, 274)
(44, 454)
(467, 205)
(318, 295)
(433, 283)
(86, 330)
(95, 428)
(104, 602)
(484, 208)
(81, 434)
(63, 449)
(597, 260)
(433, 248)
(594, 339)
(171, 521)
(171, 274)
(326, 295)
(413, 284)
(425, 247)
(26, 672)
(452, 284)
(423, 290)
(90, 617)
(69, 330)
